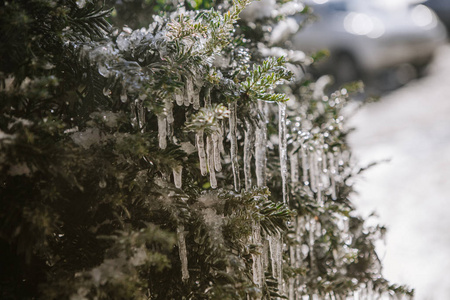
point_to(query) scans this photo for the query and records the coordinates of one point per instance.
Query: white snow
(411, 193)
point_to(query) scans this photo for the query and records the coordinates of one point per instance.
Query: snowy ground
(411, 193)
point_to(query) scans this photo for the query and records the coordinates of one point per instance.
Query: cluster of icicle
(317, 169)
(255, 144)
(209, 147)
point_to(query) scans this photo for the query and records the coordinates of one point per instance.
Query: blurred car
(442, 9)
(366, 37)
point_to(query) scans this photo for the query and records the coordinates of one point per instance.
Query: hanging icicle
(220, 139)
(141, 114)
(305, 164)
(123, 95)
(258, 265)
(311, 242)
(179, 99)
(313, 175)
(177, 176)
(162, 131)
(283, 148)
(196, 100)
(216, 149)
(293, 156)
(276, 257)
(260, 148)
(210, 160)
(201, 151)
(332, 172)
(170, 118)
(249, 141)
(234, 146)
(183, 253)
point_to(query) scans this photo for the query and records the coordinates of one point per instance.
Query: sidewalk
(411, 193)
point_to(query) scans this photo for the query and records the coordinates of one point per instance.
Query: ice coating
(234, 146)
(177, 176)
(332, 172)
(276, 257)
(179, 99)
(249, 139)
(313, 171)
(162, 131)
(141, 115)
(201, 151)
(216, 148)
(123, 95)
(260, 147)
(196, 100)
(210, 159)
(183, 253)
(258, 265)
(293, 157)
(305, 164)
(283, 147)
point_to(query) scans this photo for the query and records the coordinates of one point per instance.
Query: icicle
(234, 146)
(220, 139)
(201, 151)
(210, 159)
(249, 139)
(169, 112)
(179, 98)
(293, 263)
(311, 242)
(177, 176)
(162, 131)
(189, 92)
(292, 289)
(123, 95)
(305, 165)
(170, 119)
(196, 100)
(207, 98)
(332, 176)
(313, 170)
(217, 161)
(183, 253)
(276, 256)
(141, 114)
(294, 163)
(260, 149)
(283, 147)
(257, 266)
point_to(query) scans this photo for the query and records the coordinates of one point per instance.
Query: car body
(366, 37)
(442, 9)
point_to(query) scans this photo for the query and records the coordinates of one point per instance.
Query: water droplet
(102, 183)
(106, 92)
(123, 96)
(81, 3)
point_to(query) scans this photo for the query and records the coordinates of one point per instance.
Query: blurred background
(400, 50)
